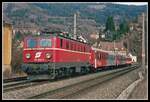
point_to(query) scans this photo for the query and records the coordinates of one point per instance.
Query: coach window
(70, 45)
(100, 56)
(61, 43)
(74, 46)
(83, 48)
(103, 55)
(64, 44)
(79, 48)
(67, 45)
(87, 49)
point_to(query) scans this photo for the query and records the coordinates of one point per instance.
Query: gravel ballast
(35, 90)
(108, 90)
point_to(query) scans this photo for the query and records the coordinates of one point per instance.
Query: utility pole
(75, 28)
(143, 44)
(114, 46)
(128, 44)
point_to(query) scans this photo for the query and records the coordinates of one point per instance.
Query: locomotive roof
(58, 34)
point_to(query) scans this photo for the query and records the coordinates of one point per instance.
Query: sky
(132, 3)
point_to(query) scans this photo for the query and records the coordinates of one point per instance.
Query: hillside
(45, 14)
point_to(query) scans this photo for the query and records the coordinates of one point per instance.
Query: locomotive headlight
(48, 55)
(28, 55)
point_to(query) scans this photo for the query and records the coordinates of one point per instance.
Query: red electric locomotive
(54, 55)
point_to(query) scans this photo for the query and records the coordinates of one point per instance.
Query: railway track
(14, 79)
(20, 84)
(69, 90)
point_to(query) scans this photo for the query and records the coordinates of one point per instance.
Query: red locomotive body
(60, 50)
(56, 54)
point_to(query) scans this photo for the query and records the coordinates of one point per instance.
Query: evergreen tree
(123, 27)
(110, 24)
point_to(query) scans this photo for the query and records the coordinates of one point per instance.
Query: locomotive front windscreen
(45, 43)
(31, 43)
